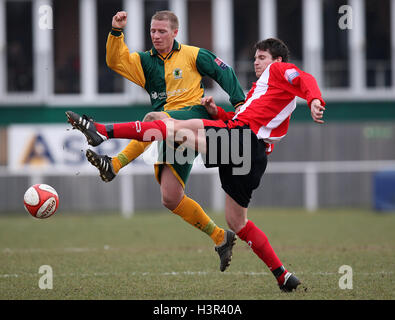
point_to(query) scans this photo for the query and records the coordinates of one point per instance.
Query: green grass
(156, 255)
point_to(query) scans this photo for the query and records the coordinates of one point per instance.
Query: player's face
(162, 35)
(262, 60)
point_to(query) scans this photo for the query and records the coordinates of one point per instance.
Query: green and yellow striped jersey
(173, 81)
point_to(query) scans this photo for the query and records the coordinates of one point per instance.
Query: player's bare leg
(236, 217)
(171, 189)
(190, 133)
(174, 198)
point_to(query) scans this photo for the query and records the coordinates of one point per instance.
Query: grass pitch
(156, 255)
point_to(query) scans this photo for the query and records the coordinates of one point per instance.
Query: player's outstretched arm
(317, 111)
(119, 20)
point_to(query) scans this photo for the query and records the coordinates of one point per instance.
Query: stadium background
(44, 72)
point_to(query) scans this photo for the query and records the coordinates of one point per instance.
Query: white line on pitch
(187, 273)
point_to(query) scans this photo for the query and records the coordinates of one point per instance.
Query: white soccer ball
(41, 201)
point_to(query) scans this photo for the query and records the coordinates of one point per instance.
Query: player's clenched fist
(209, 104)
(119, 20)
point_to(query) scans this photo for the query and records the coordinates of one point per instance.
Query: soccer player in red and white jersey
(272, 99)
(252, 130)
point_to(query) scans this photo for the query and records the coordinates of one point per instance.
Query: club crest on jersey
(220, 63)
(177, 73)
(291, 74)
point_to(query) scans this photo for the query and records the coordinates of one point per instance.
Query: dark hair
(276, 47)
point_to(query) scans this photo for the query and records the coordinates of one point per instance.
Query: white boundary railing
(310, 171)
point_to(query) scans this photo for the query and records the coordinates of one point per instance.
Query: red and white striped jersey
(272, 99)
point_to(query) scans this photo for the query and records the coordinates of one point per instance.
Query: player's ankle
(279, 274)
(116, 165)
(218, 236)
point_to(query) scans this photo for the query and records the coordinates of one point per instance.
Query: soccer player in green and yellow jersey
(171, 73)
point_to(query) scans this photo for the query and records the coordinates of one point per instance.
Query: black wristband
(116, 31)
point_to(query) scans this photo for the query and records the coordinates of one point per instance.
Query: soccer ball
(41, 201)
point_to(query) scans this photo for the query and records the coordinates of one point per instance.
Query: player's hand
(209, 104)
(119, 20)
(317, 111)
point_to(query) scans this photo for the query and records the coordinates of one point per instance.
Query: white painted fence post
(310, 188)
(127, 195)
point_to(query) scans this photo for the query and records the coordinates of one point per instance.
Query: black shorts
(239, 155)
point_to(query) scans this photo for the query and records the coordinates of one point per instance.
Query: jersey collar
(176, 47)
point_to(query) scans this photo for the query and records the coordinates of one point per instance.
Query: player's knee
(171, 195)
(151, 116)
(236, 223)
(232, 226)
(170, 201)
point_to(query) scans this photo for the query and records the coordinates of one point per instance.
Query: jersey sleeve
(119, 59)
(297, 80)
(223, 115)
(208, 64)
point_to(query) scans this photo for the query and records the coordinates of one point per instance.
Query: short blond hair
(166, 15)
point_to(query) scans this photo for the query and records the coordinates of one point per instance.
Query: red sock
(259, 243)
(101, 128)
(142, 131)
